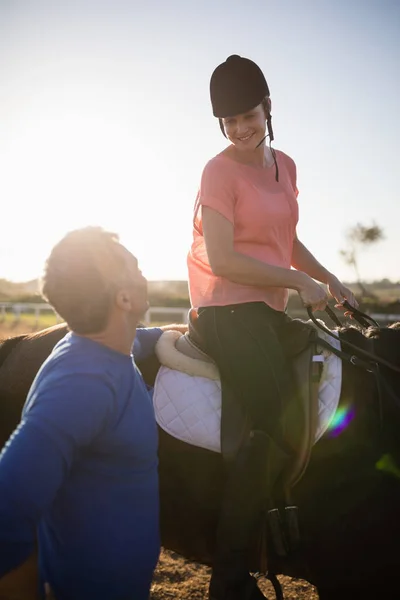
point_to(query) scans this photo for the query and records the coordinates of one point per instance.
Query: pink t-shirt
(264, 214)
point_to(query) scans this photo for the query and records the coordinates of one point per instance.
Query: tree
(359, 237)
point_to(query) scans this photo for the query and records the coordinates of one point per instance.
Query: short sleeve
(291, 167)
(217, 189)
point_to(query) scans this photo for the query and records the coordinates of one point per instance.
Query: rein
(363, 319)
(358, 352)
(370, 362)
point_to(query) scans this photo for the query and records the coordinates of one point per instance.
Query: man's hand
(182, 328)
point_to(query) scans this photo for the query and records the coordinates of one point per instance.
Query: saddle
(299, 341)
(300, 423)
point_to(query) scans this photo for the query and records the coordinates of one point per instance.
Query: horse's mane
(383, 342)
(43, 332)
(354, 332)
(371, 332)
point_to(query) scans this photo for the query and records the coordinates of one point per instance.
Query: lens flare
(342, 418)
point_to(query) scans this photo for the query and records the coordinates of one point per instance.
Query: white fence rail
(173, 313)
(35, 309)
(154, 314)
(167, 314)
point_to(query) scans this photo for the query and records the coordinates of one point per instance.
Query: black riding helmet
(236, 86)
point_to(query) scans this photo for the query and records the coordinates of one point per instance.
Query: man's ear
(122, 300)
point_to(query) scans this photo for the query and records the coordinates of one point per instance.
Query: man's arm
(39, 455)
(31, 472)
(147, 337)
(182, 327)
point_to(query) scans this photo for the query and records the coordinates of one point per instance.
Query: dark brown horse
(349, 498)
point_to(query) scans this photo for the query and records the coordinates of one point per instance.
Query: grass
(26, 323)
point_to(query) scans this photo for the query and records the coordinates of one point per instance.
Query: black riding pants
(245, 342)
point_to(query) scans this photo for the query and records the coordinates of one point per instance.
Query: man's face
(134, 285)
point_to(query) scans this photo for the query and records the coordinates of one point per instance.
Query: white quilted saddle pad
(188, 405)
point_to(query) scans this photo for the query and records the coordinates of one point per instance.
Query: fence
(18, 309)
(168, 314)
(155, 314)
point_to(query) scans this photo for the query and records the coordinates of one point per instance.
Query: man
(81, 468)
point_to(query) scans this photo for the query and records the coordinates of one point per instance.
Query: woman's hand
(341, 293)
(312, 294)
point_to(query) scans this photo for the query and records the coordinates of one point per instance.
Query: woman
(244, 246)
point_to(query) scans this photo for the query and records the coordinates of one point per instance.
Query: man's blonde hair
(81, 275)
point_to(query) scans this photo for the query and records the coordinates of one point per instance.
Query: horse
(348, 498)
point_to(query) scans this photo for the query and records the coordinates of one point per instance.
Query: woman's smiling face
(246, 130)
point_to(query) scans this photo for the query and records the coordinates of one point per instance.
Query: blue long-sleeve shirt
(80, 474)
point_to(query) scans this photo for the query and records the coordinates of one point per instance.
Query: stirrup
(275, 583)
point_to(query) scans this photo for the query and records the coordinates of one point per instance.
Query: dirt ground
(178, 578)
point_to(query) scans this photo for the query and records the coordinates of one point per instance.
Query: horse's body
(349, 497)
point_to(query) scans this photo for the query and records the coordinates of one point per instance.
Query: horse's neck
(7, 346)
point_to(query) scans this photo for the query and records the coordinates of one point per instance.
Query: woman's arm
(303, 260)
(237, 267)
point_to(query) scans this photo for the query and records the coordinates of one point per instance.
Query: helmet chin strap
(259, 143)
(270, 134)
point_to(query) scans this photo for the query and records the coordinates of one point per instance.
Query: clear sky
(105, 119)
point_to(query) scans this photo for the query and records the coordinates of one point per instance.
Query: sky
(105, 119)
